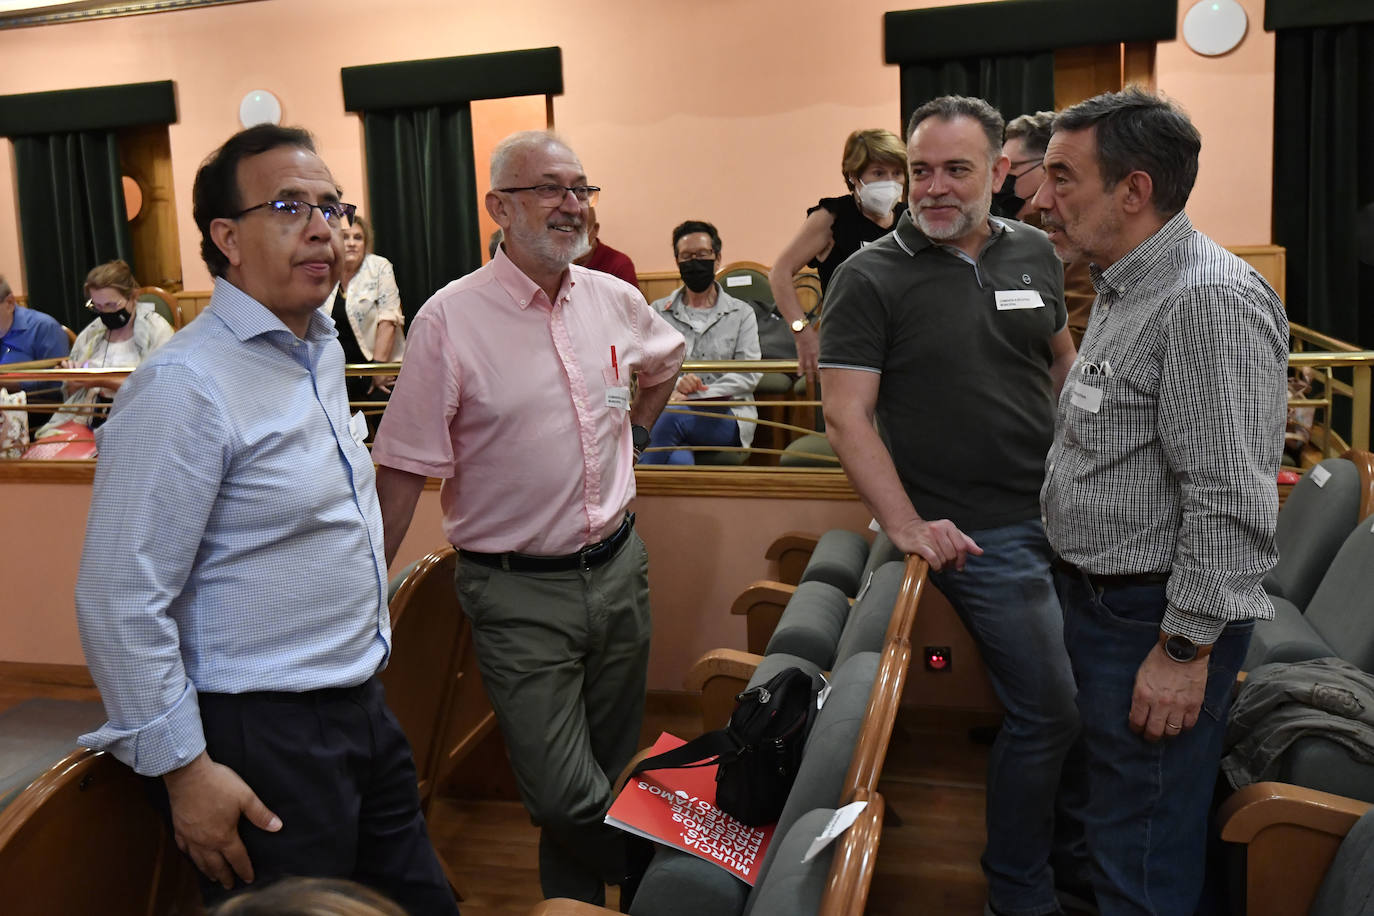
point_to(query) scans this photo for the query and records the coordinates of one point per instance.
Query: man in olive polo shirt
(952, 332)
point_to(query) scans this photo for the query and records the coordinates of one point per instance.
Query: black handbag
(759, 752)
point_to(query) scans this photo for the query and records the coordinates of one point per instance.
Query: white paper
(1018, 299)
(745, 280)
(823, 694)
(874, 526)
(1320, 475)
(357, 427)
(840, 821)
(1086, 397)
(618, 397)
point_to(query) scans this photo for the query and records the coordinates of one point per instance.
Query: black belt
(1100, 581)
(586, 558)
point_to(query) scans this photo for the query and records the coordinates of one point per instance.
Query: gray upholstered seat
(1339, 620)
(818, 623)
(811, 624)
(838, 559)
(1346, 889)
(679, 884)
(880, 551)
(1312, 524)
(795, 887)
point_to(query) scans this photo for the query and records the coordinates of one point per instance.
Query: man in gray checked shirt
(1159, 495)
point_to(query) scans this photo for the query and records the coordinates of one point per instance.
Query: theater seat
(1311, 527)
(1339, 620)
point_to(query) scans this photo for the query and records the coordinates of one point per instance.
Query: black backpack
(759, 751)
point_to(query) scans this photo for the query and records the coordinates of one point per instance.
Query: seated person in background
(1026, 139)
(603, 257)
(28, 334)
(123, 334)
(716, 326)
(366, 308)
(874, 169)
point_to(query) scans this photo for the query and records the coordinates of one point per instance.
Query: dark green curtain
(1324, 174)
(71, 216)
(422, 191)
(1015, 84)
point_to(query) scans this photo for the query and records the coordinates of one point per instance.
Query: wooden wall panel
(145, 154)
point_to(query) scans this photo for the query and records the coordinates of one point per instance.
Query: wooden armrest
(792, 540)
(1266, 804)
(719, 676)
(762, 591)
(731, 663)
(1291, 835)
(761, 604)
(791, 552)
(562, 906)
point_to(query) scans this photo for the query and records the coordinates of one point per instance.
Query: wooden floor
(927, 863)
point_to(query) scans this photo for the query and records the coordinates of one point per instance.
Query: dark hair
(215, 193)
(696, 225)
(1139, 131)
(949, 107)
(1033, 130)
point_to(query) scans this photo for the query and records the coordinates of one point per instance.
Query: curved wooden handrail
(1364, 461)
(851, 870)
(870, 751)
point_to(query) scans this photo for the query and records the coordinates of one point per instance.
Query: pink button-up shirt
(504, 395)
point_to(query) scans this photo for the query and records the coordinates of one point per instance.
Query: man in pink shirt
(516, 393)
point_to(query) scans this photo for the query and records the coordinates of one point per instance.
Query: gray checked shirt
(1170, 428)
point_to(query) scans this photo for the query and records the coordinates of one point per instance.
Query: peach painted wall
(729, 110)
(703, 551)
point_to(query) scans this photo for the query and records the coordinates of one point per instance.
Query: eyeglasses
(103, 307)
(1033, 163)
(696, 256)
(299, 211)
(549, 193)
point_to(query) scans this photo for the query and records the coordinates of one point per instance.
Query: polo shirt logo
(1025, 278)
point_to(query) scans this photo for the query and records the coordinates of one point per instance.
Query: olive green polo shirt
(966, 402)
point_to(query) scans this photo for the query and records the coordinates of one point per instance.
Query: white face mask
(879, 197)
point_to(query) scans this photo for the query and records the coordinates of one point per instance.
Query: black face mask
(698, 275)
(115, 320)
(1005, 203)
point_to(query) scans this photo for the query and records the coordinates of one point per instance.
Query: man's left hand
(1168, 695)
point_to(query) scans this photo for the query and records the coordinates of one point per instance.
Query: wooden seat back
(84, 838)
(432, 683)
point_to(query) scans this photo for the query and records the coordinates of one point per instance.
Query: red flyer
(677, 808)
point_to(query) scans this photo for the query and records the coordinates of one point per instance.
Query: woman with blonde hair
(366, 308)
(874, 169)
(123, 333)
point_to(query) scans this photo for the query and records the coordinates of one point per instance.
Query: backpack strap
(705, 750)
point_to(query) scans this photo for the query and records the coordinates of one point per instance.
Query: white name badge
(1086, 397)
(357, 427)
(1018, 299)
(618, 397)
(739, 281)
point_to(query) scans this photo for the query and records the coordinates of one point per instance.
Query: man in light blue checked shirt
(232, 593)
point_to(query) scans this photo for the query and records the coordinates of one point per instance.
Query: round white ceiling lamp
(259, 107)
(1213, 27)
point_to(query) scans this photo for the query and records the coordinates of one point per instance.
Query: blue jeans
(1146, 807)
(1006, 598)
(673, 429)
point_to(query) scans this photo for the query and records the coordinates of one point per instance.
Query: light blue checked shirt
(235, 539)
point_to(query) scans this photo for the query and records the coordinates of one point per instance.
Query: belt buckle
(584, 556)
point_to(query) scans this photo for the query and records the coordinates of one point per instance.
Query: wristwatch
(639, 437)
(1181, 648)
(799, 325)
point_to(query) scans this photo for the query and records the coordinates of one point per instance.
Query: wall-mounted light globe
(1213, 27)
(259, 107)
